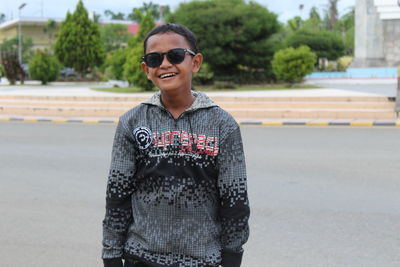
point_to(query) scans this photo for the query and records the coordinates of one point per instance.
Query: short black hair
(175, 28)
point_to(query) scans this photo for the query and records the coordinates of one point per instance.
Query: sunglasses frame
(162, 54)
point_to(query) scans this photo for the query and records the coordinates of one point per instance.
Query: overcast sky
(286, 9)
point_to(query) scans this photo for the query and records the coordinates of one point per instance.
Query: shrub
(292, 64)
(325, 44)
(332, 66)
(344, 62)
(13, 70)
(44, 67)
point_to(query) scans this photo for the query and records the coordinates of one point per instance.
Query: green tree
(115, 62)
(114, 36)
(133, 72)
(346, 27)
(292, 64)
(44, 67)
(79, 44)
(205, 76)
(114, 16)
(314, 22)
(50, 29)
(295, 23)
(96, 17)
(233, 34)
(12, 45)
(325, 44)
(314, 15)
(154, 10)
(329, 27)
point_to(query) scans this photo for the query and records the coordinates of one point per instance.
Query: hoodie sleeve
(234, 206)
(118, 196)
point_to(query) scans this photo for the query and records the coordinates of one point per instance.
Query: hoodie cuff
(231, 259)
(117, 262)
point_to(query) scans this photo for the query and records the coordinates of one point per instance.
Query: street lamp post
(398, 86)
(19, 33)
(398, 95)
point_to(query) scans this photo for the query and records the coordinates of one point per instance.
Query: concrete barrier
(357, 73)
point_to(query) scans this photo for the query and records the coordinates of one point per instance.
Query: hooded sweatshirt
(176, 192)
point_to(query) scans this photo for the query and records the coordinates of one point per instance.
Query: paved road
(319, 196)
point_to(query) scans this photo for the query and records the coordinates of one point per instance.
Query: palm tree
(114, 16)
(154, 9)
(332, 13)
(50, 29)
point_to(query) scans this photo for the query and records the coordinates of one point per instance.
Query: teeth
(166, 75)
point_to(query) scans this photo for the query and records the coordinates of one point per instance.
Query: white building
(377, 39)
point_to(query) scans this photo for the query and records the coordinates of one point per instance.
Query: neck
(177, 102)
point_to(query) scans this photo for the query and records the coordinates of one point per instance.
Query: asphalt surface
(319, 196)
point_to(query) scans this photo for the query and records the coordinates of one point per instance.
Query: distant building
(35, 29)
(377, 37)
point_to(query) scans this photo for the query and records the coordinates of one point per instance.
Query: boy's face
(180, 75)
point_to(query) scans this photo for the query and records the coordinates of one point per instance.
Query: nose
(165, 62)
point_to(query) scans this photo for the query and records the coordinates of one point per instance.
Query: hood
(201, 101)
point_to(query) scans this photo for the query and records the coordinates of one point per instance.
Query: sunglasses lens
(176, 56)
(153, 60)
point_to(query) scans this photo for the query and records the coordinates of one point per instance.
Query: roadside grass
(122, 90)
(260, 87)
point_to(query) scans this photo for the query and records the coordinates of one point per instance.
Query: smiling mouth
(167, 75)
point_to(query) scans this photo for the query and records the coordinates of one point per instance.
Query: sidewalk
(83, 90)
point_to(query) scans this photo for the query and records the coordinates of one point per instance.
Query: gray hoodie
(177, 193)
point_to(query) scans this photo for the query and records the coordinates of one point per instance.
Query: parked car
(68, 72)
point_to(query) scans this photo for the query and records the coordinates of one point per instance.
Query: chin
(172, 87)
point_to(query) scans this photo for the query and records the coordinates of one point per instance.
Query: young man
(176, 193)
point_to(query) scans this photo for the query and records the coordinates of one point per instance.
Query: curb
(304, 123)
(254, 123)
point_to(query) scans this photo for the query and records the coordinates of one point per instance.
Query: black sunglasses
(174, 56)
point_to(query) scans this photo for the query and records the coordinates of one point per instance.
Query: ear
(145, 69)
(196, 62)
